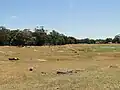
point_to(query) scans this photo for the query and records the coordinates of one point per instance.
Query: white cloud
(13, 17)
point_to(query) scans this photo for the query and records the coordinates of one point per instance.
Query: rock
(57, 88)
(43, 72)
(58, 59)
(79, 70)
(60, 51)
(13, 59)
(113, 66)
(42, 60)
(35, 50)
(31, 69)
(61, 72)
(64, 72)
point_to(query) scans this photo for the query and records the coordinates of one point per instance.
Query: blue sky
(79, 18)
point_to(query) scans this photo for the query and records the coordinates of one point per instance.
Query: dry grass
(97, 67)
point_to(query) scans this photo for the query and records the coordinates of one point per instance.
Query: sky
(78, 18)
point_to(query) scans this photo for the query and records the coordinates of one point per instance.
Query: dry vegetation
(88, 67)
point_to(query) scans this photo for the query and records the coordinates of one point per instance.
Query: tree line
(39, 36)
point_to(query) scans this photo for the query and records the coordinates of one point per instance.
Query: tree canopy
(39, 36)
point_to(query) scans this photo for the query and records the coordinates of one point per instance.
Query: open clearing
(97, 67)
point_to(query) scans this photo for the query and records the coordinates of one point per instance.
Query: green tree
(40, 35)
(12, 37)
(116, 39)
(108, 40)
(92, 41)
(71, 40)
(4, 35)
(100, 41)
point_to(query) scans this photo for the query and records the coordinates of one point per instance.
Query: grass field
(97, 67)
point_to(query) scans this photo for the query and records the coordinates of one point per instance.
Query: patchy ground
(68, 67)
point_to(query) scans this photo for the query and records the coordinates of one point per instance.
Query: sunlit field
(81, 67)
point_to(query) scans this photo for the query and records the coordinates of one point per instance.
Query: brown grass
(97, 69)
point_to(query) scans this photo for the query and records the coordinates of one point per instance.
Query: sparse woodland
(39, 36)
